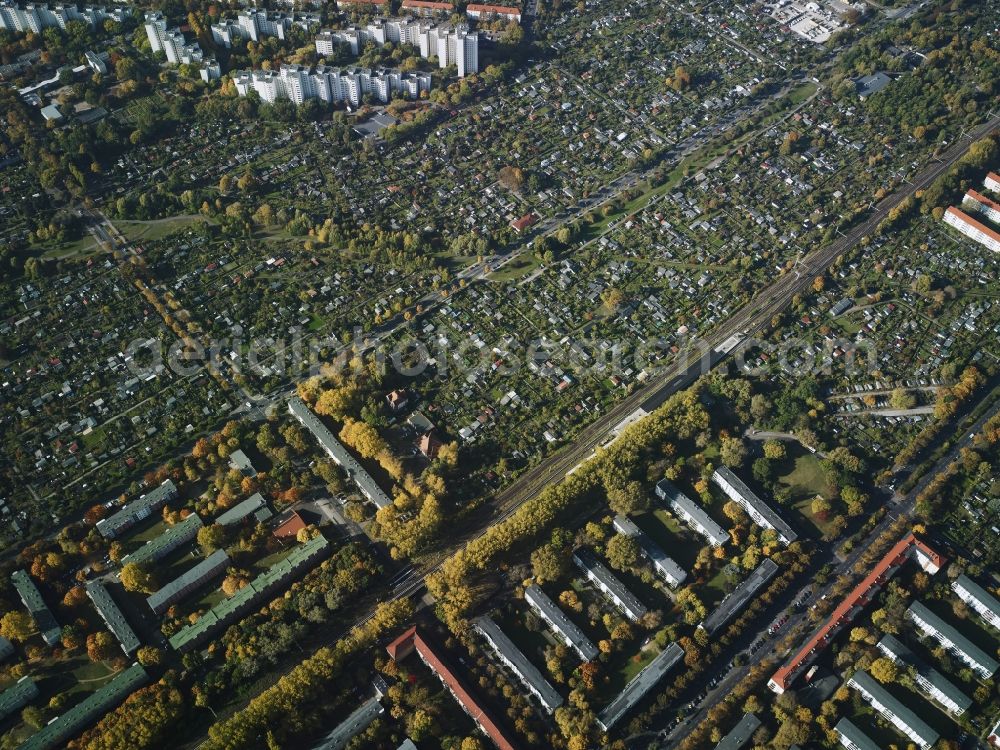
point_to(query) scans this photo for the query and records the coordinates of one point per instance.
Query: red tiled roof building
(909, 547)
(412, 640)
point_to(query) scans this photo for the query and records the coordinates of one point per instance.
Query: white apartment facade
(978, 203)
(298, 83)
(255, 24)
(452, 45)
(34, 17)
(170, 41)
(901, 717)
(972, 229)
(934, 627)
(979, 599)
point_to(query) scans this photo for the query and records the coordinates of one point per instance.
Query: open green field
(155, 230)
(801, 473)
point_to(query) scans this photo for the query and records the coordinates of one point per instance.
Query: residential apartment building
(296, 406)
(170, 41)
(612, 588)
(761, 513)
(188, 582)
(113, 617)
(34, 17)
(979, 203)
(893, 711)
(691, 513)
(934, 627)
(972, 229)
(268, 583)
(565, 628)
(740, 597)
(17, 696)
(451, 45)
(69, 724)
(352, 726)
(932, 682)
(639, 686)
(982, 601)
(853, 738)
(669, 570)
(243, 510)
(490, 12)
(992, 182)
(907, 548)
(31, 597)
(413, 640)
(740, 735)
(519, 664)
(115, 525)
(156, 549)
(427, 8)
(255, 24)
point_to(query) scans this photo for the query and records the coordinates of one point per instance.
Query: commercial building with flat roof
(741, 596)
(241, 511)
(639, 686)
(519, 664)
(275, 578)
(113, 617)
(978, 660)
(352, 726)
(565, 628)
(981, 600)
(761, 513)
(55, 734)
(740, 734)
(893, 711)
(189, 581)
(669, 570)
(31, 597)
(412, 640)
(853, 738)
(17, 696)
(932, 682)
(114, 525)
(614, 589)
(691, 513)
(161, 546)
(369, 488)
(909, 547)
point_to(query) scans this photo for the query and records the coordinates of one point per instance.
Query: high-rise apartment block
(298, 83)
(451, 45)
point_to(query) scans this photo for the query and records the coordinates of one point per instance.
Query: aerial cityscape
(420, 375)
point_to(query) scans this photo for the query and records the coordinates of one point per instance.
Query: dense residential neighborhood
(420, 375)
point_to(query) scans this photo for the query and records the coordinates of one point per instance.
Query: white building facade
(451, 45)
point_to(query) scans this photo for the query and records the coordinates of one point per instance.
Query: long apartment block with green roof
(167, 542)
(56, 733)
(276, 578)
(31, 597)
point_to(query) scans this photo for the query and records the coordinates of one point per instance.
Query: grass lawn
(150, 532)
(137, 231)
(514, 270)
(80, 248)
(801, 473)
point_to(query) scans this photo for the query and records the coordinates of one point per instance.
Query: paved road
(914, 412)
